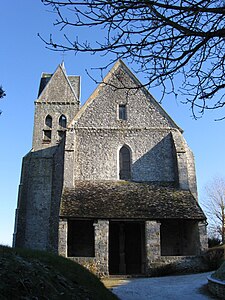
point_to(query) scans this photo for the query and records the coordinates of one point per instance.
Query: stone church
(110, 184)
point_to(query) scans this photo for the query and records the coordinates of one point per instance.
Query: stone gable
(119, 87)
(59, 88)
(58, 96)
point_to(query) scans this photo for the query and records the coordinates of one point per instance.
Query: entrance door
(126, 247)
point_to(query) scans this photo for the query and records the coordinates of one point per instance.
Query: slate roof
(130, 200)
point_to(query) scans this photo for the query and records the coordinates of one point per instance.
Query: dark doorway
(126, 247)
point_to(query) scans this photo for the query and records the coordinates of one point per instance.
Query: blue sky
(23, 59)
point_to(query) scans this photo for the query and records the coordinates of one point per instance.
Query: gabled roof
(48, 79)
(129, 200)
(117, 65)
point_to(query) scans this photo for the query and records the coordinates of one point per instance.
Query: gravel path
(184, 287)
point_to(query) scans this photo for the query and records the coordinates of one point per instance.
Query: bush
(214, 258)
(214, 241)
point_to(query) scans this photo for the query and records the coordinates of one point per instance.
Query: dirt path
(184, 287)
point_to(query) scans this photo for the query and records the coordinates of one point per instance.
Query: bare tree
(164, 39)
(214, 207)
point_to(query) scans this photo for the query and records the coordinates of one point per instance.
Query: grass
(113, 282)
(27, 274)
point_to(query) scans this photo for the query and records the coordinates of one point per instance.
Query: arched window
(48, 121)
(62, 121)
(125, 163)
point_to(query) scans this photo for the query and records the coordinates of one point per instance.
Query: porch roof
(129, 200)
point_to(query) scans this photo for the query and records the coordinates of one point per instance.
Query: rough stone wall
(216, 287)
(97, 154)
(152, 240)
(75, 82)
(37, 212)
(102, 246)
(55, 111)
(185, 164)
(57, 186)
(97, 264)
(59, 88)
(34, 203)
(62, 240)
(167, 265)
(203, 238)
(101, 110)
(69, 160)
(20, 215)
(192, 182)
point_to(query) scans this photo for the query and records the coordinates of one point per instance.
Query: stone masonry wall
(101, 109)
(97, 264)
(55, 111)
(203, 238)
(57, 186)
(69, 159)
(62, 240)
(152, 239)
(99, 134)
(185, 164)
(97, 154)
(192, 182)
(102, 246)
(20, 216)
(216, 287)
(34, 203)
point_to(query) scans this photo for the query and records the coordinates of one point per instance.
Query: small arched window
(125, 163)
(62, 121)
(48, 121)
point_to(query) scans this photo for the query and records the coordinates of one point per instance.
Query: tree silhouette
(165, 39)
(214, 206)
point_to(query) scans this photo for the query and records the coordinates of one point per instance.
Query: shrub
(213, 241)
(214, 258)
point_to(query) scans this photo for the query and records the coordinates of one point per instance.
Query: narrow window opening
(48, 121)
(81, 238)
(62, 121)
(47, 135)
(125, 163)
(122, 112)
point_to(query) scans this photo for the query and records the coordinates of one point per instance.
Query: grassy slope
(26, 274)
